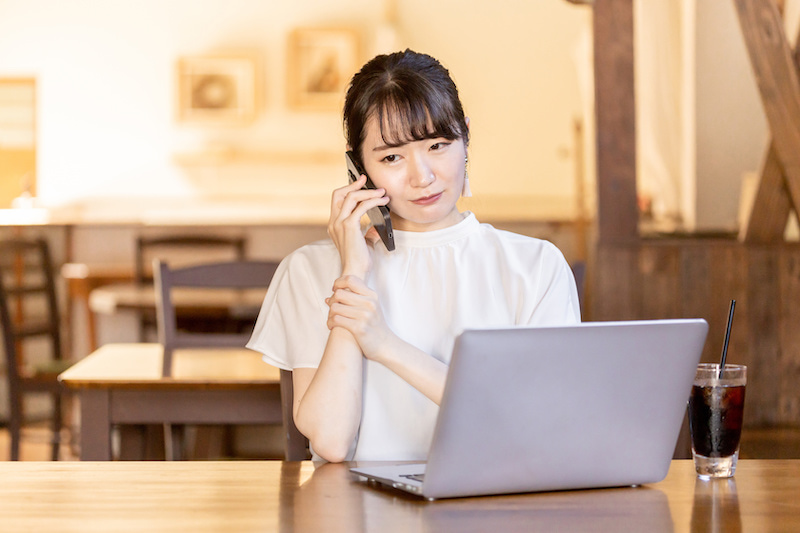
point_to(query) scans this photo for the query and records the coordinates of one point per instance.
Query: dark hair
(411, 95)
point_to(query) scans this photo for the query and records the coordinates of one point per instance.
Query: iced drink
(716, 408)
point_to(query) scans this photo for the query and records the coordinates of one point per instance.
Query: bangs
(405, 116)
(410, 96)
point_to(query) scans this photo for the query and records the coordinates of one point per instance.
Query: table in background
(122, 384)
(82, 279)
(193, 303)
(116, 297)
(247, 496)
(109, 288)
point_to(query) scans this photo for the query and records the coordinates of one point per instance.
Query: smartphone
(379, 216)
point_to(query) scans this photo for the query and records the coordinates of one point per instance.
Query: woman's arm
(327, 400)
(420, 370)
(355, 308)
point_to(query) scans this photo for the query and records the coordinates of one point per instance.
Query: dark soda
(716, 419)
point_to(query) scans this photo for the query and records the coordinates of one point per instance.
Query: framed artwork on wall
(321, 63)
(216, 89)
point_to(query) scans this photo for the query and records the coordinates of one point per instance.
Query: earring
(466, 192)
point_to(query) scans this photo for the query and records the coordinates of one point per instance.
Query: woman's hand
(348, 205)
(355, 307)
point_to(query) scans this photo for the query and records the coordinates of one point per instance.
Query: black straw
(727, 338)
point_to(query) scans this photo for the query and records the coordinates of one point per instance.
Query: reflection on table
(276, 496)
(123, 384)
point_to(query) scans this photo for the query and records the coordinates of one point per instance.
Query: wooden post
(617, 210)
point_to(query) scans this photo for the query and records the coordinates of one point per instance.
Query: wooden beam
(777, 75)
(617, 210)
(771, 207)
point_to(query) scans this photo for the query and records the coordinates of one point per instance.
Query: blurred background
(122, 119)
(105, 122)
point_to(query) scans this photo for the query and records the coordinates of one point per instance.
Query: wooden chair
(296, 442)
(172, 248)
(579, 271)
(27, 280)
(225, 275)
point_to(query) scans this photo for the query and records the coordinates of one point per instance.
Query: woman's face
(423, 179)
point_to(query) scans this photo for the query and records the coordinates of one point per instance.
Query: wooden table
(108, 289)
(122, 384)
(247, 496)
(82, 279)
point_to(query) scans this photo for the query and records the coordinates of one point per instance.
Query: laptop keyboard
(414, 477)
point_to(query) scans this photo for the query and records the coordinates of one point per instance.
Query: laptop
(528, 409)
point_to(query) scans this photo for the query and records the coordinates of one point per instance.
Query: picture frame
(321, 63)
(217, 89)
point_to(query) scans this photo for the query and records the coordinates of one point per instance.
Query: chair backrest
(579, 271)
(226, 275)
(171, 248)
(296, 442)
(27, 280)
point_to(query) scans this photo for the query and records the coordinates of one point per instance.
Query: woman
(368, 332)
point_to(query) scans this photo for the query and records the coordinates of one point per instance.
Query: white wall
(700, 122)
(730, 124)
(514, 63)
(105, 71)
(658, 74)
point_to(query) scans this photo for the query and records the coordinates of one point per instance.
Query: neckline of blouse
(416, 239)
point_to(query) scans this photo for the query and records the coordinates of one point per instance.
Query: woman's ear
(466, 119)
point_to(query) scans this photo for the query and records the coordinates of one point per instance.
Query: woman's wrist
(384, 350)
(359, 272)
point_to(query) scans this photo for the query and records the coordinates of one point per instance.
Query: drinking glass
(716, 406)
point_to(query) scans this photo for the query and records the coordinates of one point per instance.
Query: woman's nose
(422, 173)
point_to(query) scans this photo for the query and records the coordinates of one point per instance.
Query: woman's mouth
(432, 199)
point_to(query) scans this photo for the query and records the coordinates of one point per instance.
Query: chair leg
(14, 425)
(56, 425)
(229, 440)
(212, 441)
(142, 328)
(140, 442)
(132, 442)
(173, 442)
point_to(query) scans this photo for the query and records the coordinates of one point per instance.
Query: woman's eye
(439, 145)
(391, 158)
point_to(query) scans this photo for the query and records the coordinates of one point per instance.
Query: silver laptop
(527, 409)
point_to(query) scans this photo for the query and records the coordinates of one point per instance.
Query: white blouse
(431, 287)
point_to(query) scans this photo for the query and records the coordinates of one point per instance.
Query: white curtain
(657, 63)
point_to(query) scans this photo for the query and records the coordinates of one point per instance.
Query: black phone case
(379, 216)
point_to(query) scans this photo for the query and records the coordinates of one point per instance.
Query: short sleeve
(557, 300)
(291, 329)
